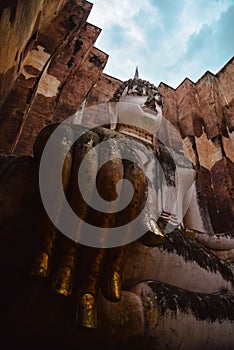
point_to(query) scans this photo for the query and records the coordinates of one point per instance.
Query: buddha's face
(141, 108)
(148, 102)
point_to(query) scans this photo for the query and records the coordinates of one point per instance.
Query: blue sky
(167, 39)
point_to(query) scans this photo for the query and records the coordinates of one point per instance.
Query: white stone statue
(136, 110)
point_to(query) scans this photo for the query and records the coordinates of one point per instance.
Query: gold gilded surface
(93, 276)
(41, 265)
(65, 269)
(111, 281)
(87, 312)
(42, 260)
(115, 287)
(66, 172)
(154, 235)
(89, 279)
(152, 240)
(47, 231)
(63, 281)
(189, 233)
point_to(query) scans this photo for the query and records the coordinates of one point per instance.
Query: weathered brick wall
(204, 114)
(57, 69)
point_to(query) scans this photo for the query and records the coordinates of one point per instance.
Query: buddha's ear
(112, 106)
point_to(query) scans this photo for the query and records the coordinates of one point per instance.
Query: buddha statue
(164, 186)
(138, 113)
(132, 283)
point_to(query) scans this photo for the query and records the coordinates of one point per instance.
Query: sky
(168, 40)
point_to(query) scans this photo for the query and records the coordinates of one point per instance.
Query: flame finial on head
(136, 76)
(139, 86)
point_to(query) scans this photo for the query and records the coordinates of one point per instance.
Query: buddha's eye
(150, 103)
(159, 99)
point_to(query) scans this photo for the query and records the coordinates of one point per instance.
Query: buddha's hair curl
(150, 89)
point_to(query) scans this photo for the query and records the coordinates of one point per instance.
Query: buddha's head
(138, 104)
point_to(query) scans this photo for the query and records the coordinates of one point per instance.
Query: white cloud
(154, 35)
(123, 13)
(106, 13)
